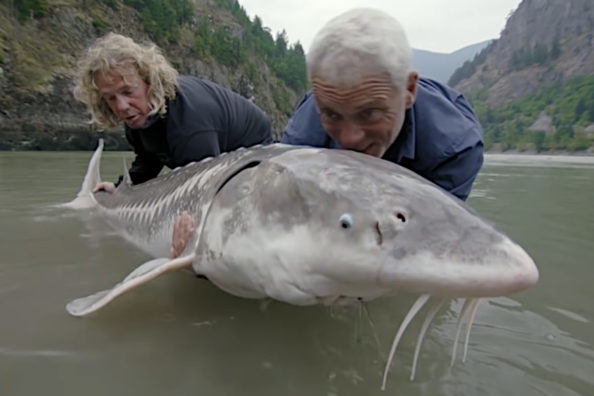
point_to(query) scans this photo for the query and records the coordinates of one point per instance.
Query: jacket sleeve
(145, 166)
(457, 173)
(449, 137)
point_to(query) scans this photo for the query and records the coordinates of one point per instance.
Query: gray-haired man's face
(366, 117)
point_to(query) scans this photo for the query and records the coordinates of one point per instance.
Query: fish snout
(524, 273)
(388, 226)
(506, 269)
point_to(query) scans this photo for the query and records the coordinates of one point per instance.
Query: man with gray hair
(365, 97)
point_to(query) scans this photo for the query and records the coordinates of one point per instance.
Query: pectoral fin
(145, 273)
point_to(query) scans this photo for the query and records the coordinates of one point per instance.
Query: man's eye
(371, 115)
(330, 115)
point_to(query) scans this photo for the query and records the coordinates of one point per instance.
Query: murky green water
(181, 335)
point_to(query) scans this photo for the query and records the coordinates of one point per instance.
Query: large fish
(312, 226)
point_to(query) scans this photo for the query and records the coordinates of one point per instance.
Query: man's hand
(105, 186)
(183, 229)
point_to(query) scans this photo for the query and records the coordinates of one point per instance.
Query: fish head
(331, 226)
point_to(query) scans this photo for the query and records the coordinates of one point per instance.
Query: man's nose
(121, 103)
(351, 135)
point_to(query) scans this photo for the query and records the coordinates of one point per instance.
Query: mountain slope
(440, 66)
(533, 88)
(41, 40)
(544, 42)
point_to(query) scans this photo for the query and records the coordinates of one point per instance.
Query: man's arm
(457, 173)
(449, 138)
(144, 167)
(141, 171)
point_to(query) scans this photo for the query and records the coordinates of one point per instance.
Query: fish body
(310, 226)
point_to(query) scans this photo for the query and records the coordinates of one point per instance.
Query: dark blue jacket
(203, 120)
(441, 138)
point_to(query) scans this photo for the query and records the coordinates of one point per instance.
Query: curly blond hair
(114, 53)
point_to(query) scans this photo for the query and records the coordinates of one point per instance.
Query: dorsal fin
(127, 179)
(85, 198)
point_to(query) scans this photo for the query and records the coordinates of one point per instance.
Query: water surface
(181, 335)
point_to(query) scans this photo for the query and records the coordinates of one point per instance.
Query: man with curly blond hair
(169, 119)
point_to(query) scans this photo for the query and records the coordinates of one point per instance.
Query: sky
(432, 25)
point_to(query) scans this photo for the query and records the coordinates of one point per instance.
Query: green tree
(162, 19)
(571, 105)
(555, 49)
(538, 140)
(201, 46)
(489, 138)
(30, 9)
(183, 10)
(224, 47)
(113, 4)
(580, 108)
(591, 113)
(509, 137)
(280, 44)
(580, 141)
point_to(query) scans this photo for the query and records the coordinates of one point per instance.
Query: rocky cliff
(38, 53)
(544, 42)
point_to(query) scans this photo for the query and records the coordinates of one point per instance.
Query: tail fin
(85, 198)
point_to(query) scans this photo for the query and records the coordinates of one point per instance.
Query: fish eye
(346, 221)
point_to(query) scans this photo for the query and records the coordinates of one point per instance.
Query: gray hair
(359, 42)
(120, 54)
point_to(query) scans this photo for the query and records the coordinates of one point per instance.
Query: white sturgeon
(312, 226)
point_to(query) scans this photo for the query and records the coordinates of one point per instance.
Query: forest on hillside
(570, 107)
(40, 41)
(164, 19)
(238, 41)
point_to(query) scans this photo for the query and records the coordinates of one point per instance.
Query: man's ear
(411, 89)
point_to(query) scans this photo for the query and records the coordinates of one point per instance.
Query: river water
(180, 335)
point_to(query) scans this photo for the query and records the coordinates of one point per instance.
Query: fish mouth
(508, 270)
(490, 278)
